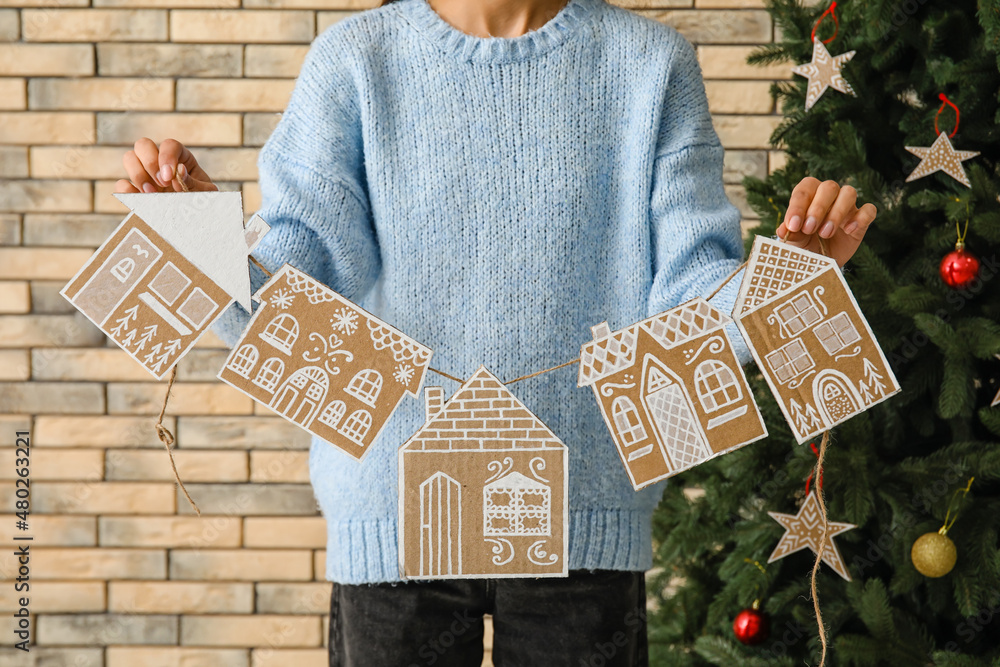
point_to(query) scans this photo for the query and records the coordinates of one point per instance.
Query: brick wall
(123, 574)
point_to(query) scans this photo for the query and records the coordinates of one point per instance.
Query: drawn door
(669, 409)
(440, 526)
(117, 276)
(300, 396)
(836, 398)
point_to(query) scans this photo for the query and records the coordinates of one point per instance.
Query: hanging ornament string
(949, 520)
(946, 102)
(818, 471)
(831, 11)
(763, 570)
(256, 262)
(959, 231)
(812, 445)
(168, 440)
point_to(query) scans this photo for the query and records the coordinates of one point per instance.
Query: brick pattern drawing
(323, 363)
(671, 391)
(153, 288)
(482, 489)
(809, 338)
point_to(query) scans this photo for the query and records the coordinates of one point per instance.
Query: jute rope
(818, 490)
(167, 438)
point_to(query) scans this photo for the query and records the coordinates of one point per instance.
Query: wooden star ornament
(941, 156)
(805, 529)
(824, 72)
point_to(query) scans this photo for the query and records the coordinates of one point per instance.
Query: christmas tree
(894, 470)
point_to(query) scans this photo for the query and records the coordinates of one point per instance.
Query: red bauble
(959, 268)
(751, 626)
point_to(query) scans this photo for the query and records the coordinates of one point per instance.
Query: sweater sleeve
(313, 185)
(696, 238)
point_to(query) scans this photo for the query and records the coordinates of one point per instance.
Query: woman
(493, 177)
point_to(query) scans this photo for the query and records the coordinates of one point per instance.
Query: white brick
(46, 59)
(241, 26)
(146, 94)
(94, 25)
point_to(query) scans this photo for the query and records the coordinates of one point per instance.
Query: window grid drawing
(357, 425)
(790, 361)
(281, 332)
(333, 413)
(169, 283)
(626, 418)
(716, 385)
(197, 308)
(798, 314)
(365, 386)
(837, 333)
(123, 269)
(269, 374)
(516, 506)
(244, 360)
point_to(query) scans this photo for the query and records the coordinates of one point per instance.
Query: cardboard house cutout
(167, 272)
(809, 338)
(671, 391)
(324, 363)
(482, 489)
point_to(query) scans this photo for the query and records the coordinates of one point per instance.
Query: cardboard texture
(671, 391)
(168, 271)
(323, 363)
(941, 156)
(482, 489)
(824, 72)
(805, 530)
(809, 338)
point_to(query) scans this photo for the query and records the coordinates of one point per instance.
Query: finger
(841, 212)
(124, 185)
(172, 153)
(799, 202)
(138, 174)
(148, 153)
(191, 183)
(862, 220)
(819, 208)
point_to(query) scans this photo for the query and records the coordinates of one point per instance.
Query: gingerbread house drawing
(671, 391)
(324, 363)
(167, 272)
(809, 338)
(482, 489)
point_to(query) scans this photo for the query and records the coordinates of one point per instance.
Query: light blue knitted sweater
(494, 198)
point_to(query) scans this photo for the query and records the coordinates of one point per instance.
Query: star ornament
(941, 156)
(824, 72)
(805, 529)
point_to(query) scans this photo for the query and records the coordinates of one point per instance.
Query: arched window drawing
(123, 269)
(626, 418)
(332, 413)
(269, 374)
(716, 385)
(516, 506)
(281, 332)
(244, 360)
(357, 425)
(365, 386)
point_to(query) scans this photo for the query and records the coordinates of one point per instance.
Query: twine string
(818, 470)
(946, 102)
(167, 438)
(256, 262)
(831, 11)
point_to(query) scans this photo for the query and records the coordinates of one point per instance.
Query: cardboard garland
(482, 489)
(323, 363)
(671, 391)
(169, 270)
(809, 338)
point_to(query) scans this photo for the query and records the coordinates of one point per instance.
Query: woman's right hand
(161, 169)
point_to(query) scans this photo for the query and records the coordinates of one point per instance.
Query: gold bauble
(933, 555)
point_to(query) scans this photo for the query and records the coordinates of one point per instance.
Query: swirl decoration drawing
(795, 384)
(330, 351)
(535, 465)
(608, 389)
(817, 292)
(500, 550)
(715, 344)
(539, 556)
(855, 352)
(498, 468)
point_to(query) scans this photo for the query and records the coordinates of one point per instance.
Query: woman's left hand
(825, 210)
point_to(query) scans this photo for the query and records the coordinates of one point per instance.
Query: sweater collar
(497, 49)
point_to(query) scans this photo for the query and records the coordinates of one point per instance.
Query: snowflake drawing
(282, 299)
(403, 374)
(345, 321)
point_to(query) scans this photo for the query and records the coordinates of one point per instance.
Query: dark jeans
(591, 619)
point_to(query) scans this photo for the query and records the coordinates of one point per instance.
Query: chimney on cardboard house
(433, 402)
